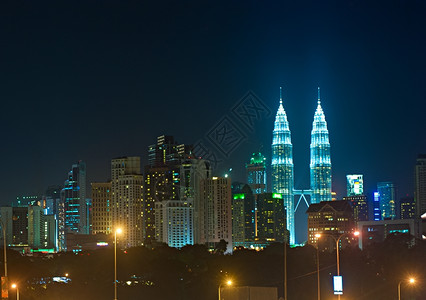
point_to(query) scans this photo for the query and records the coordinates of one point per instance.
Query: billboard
(338, 285)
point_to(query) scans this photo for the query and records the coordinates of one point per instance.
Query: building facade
(330, 219)
(282, 168)
(127, 205)
(387, 194)
(359, 206)
(420, 185)
(215, 212)
(320, 165)
(407, 208)
(174, 222)
(271, 218)
(101, 208)
(243, 217)
(73, 195)
(256, 173)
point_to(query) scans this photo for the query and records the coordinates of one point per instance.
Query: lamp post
(356, 233)
(118, 230)
(15, 286)
(411, 281)
(318, 270)
(229, 283)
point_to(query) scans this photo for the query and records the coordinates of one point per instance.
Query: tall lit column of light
(320, 157)
(282, 165)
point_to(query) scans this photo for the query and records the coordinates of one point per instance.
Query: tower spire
(281, 95)
(319, 98)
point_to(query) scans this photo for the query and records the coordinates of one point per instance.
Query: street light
(318, 271)
(15, 286)
(356, 233)
(118, 230)
(228, 283)
(410, 281)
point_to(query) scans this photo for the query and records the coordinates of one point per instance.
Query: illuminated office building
(256, 173)
(387, 193)
(271, 223)
(355, 185)
(407, 208)
(174, 221)
(420, 185)
(243, 217)
(101, 208)
(377, 216)
(282, 166)
(320, 158)
(359, 206)
(73, 196)
(215, 222)
(127, 205)
(329, 218)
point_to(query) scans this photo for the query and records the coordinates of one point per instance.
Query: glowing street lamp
(228, 283)
(118, 230)
(15, 286)
(410, 281)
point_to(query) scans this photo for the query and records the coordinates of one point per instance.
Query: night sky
(94, 80)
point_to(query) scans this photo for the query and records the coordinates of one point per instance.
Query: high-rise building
(243, 214)
(101, 208)
(329, 218)
(377, 216)
(174, 221)
(126, 200)
(73, 195)
(407, 208)
(256, 173)
(420, 185)
(42, 229)
(320, 157)
(167, 151)
(215, 212)
(387, 195)
(282, 166)
(271, 223)
(355, 185)
(192, 172)
(359, 206)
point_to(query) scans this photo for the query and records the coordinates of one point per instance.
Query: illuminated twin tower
(283, 168)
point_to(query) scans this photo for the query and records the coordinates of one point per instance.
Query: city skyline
(71, 87)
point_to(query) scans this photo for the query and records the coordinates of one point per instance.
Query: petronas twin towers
(283, 167)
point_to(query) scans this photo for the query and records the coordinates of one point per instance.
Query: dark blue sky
(97, 80)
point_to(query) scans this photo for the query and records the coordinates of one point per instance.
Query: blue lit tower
(320, 158)
(282, 165)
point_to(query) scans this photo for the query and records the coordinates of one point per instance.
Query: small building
(372, 232)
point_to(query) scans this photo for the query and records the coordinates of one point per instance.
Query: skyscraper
(355, 185)
(73, 196)
(320, 157)
(256, 173)
(126, 199)
(101, 208)
(282, 165)
(420, 185)
(387, 193)
(215, 212)
(377, 216)
(271, 218)
(243, 222)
